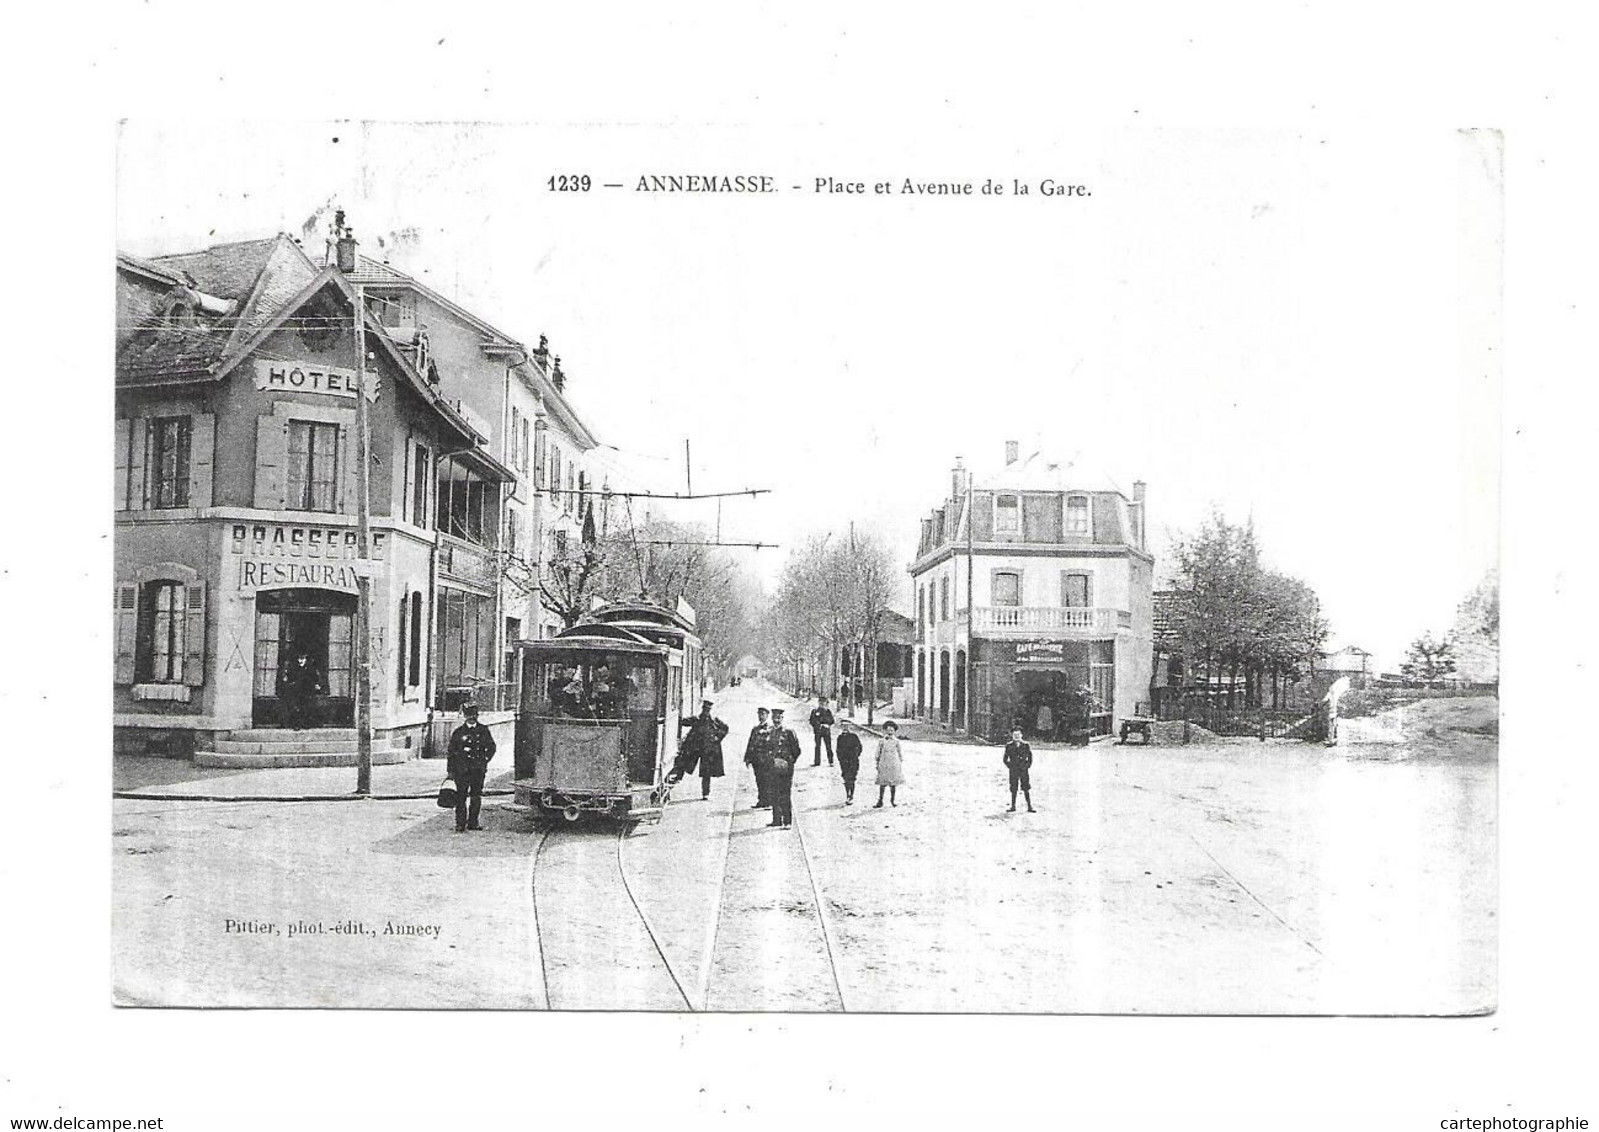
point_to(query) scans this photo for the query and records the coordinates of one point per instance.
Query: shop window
(1007, 588)
(313, 466)
(1074, 591)
(1077, 515)
(167, 462)
(1007, 516)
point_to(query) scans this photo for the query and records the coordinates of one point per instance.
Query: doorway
(318, 626)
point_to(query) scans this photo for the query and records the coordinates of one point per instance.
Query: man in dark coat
(1019, 759)
(471, 748)
(784, 749)
(849, 759)
(756, 758)
(299, 683)
(702, 745)
(822, 731)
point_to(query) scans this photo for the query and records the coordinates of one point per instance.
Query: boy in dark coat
(849, 759)
(471, 749)
(784, 749)
(822, 731)
(756, 759)
(1019, 758)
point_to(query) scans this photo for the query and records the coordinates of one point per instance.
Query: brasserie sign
(304, 377)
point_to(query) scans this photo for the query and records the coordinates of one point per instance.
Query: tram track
(586, 843)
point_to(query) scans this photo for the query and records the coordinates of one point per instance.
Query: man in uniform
(784, 751)
(471, 748)
(1019, 759)
(822, 731)
(299, 683)
(702, 745)
(756, 758)
(849, 759)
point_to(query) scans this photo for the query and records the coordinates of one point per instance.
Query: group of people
(773, 751)
(604, 697)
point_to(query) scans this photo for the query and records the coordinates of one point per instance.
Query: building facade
(1032, 593)
(235, 533)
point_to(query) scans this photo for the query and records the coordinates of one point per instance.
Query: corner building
(1032, 586)
(235, 497)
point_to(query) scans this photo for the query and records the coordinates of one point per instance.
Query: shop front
(1055, 690)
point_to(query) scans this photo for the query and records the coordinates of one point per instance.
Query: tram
(602, 704)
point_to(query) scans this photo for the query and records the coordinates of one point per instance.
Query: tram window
(603, 686)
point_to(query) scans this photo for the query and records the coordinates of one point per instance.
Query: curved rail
(621, 868)
(533, 898)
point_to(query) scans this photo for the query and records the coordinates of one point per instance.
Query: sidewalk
(135, 776)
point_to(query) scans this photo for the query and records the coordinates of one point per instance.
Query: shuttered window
(1007, 587)
(1007, 516)
(163, 623)
(1074, 591)
(313, 466)
(167, 461)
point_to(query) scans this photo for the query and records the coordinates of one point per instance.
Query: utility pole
(971, 615)
(363, 527)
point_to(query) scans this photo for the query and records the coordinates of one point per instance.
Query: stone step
(288, 735)
(282, 759)
(295, 746)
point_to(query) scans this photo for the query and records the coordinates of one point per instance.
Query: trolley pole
(363, 533)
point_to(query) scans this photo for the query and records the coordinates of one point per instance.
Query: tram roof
(608, 638)
(642, 612)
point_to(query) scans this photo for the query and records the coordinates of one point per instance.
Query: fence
(1240, 721)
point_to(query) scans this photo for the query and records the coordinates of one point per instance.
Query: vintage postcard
(618, 568)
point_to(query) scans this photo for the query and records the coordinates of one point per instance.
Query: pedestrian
(755, 758)
(784, 749)
(849, 759)
(299, 683)
(822, 731)
(471, 749)
(890, 767)
(1019, 759)
(702, 745)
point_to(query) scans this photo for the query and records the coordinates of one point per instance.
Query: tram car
(601, 707)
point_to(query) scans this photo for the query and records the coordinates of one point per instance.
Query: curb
(145, 796)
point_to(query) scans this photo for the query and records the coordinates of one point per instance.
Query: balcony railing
(1047, 619)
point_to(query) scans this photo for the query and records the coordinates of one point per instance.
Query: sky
(1291, 328)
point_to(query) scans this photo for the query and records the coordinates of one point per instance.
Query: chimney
(557, 376)
(1137, 513)
(957, 480)
(1013, 451)
(346, 251)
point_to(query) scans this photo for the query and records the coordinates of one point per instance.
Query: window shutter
(138, 460)
(202, 449)
(120, 445)
(408, 491)
(126, 613)
(194, 634)
(345, 457)
(271, 462)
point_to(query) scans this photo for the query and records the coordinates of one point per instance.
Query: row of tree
(1470, 649)
(1237, 624)
(830, 599)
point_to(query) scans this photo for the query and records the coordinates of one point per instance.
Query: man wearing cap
(822, 731)
(471, 749)
(702, 745)
(849, 759)
(784, 751)
(756, 758)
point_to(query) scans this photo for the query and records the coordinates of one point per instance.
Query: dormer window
(1077, 515)
(1007, 516)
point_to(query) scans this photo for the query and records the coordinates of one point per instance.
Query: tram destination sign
(306, 377)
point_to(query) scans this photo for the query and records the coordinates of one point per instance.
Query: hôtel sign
(303, 377)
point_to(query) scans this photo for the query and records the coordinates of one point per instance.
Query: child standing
(1019, 758)
(890, 767)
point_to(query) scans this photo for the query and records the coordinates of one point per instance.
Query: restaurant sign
(304, 377)
(278, 555)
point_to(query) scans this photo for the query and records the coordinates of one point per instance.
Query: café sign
(304, 377)
(1040, 652)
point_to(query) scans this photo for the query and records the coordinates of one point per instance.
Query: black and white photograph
(723, 586)
(497, 627)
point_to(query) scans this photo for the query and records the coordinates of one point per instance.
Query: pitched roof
(1168, 605)
(257, 276)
